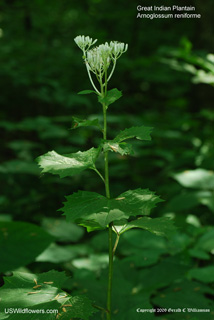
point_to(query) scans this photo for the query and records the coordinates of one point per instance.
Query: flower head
(99, 58)
(84, 43)
(117, 49)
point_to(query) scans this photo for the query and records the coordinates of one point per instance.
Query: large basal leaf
(191, 199)
(126, 297)
(62, 230)
(56, 254)
(59, 254)
(93, 206)
(199, 179)
(167, 271)
(144, 258)
(186, 294)
(70, 164)
(42, 292)
(20, 244)
(94, 262)
(141, 133)
(159, 226)
(137, 239)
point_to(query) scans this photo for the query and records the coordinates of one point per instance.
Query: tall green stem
(98, 62)
(103, 89)
(109, 293)
(106, 153)
(110, 273)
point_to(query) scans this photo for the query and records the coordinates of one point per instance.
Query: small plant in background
(89, 209)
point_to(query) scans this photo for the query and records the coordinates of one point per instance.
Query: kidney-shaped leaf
(20, 244)
(93, 206)
(70, 164)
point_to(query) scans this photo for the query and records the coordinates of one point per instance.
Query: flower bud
(84, 43)
(117, 49)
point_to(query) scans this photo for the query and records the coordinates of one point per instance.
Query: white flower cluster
(117, 49)
(84, 43)
(99, 58)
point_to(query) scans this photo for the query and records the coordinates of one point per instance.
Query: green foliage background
(40, 75)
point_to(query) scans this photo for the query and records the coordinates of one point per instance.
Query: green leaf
(85, 123)
(93, 206)
(179, 242)
(197, 179)
(62, 230)
(145, 257)
(111, 96)
(123, 148)
(123, 305)
(86, 92)
(185, 294)
(56, 254)
(205, 274)
(159, 226)
(143, 240)
(141, 133)
(70, 164)
(128, 305)
(90, 206)
(167, 271)
(81, 309)
(20, 244)
(42, 291)
(90, 225)
(64, 253)
(94, 262)
(191, 199)
(206, 241)
(199, 254)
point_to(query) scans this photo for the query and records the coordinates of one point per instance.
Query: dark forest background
(41, 72)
